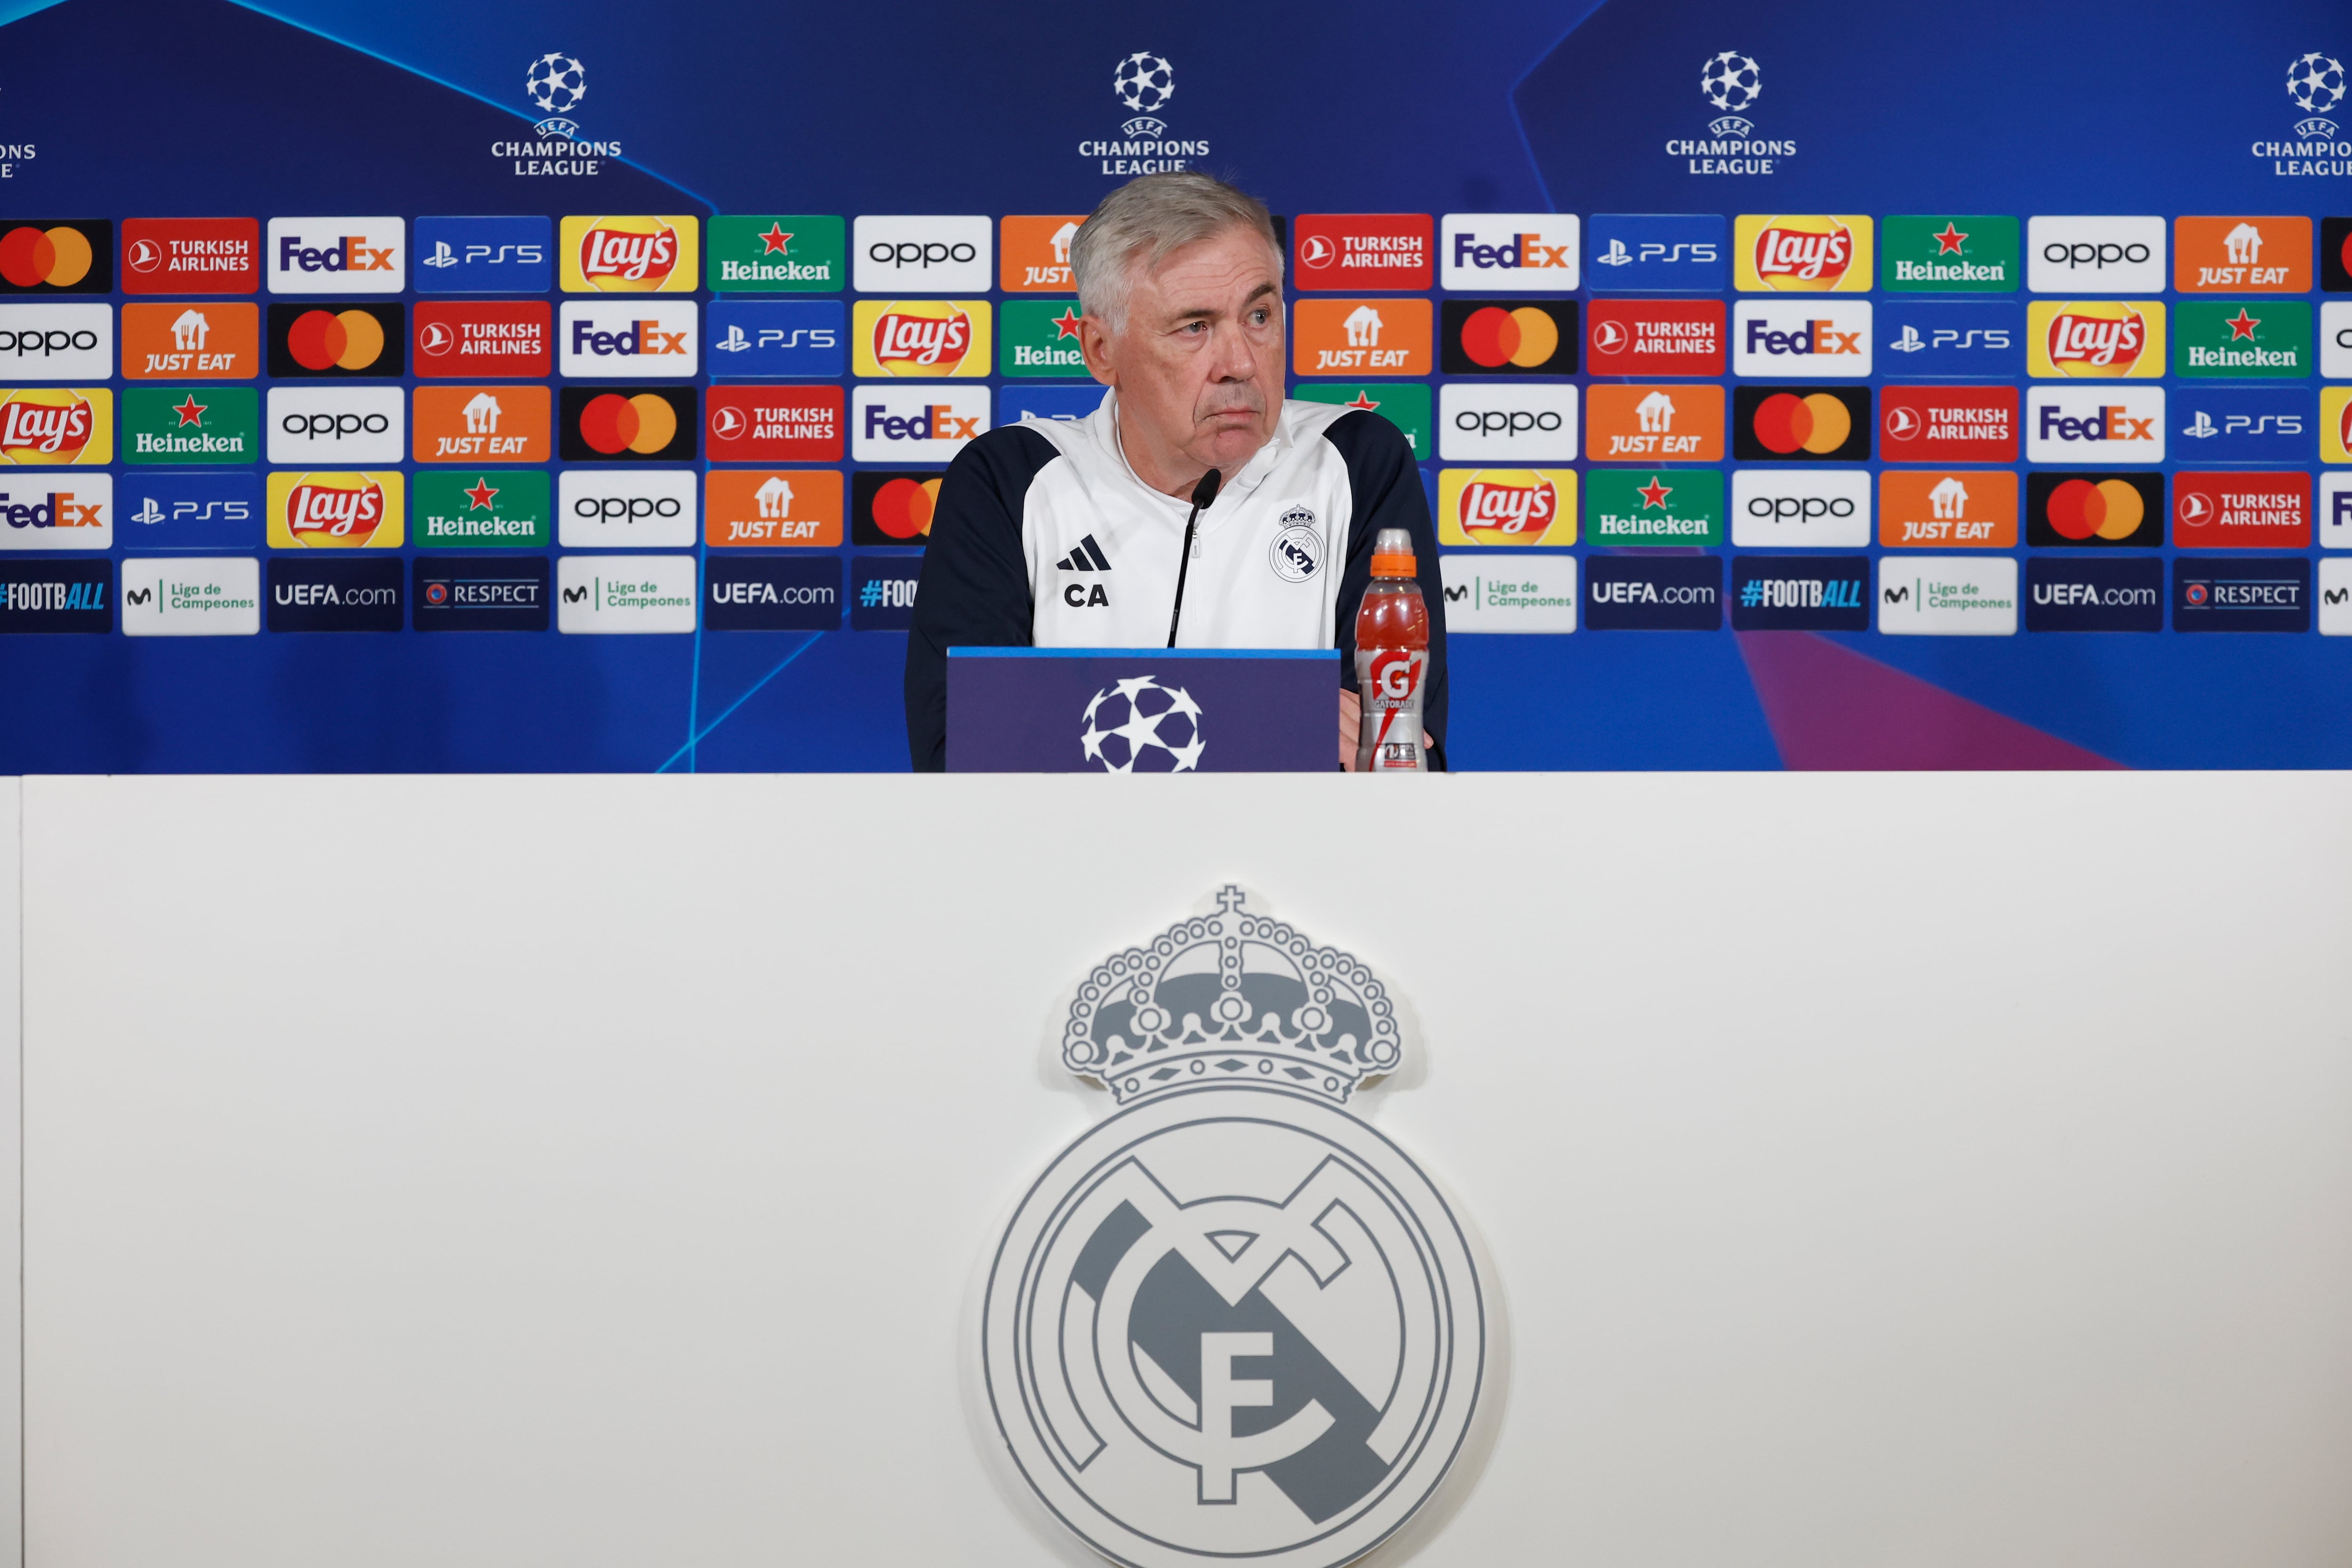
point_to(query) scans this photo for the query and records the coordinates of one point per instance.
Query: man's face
(1198, 362)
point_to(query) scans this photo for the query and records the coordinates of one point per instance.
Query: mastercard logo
(1818, 423)
(644, 424)
(1492, 336)
(2108, 509)
(59, 258)
(335, 340)
(903, 507)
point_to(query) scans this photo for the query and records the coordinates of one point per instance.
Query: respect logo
(922, 338)
(1506, 507)
(336, 511)
(639, 255)
(1807, 254)
(2095, 340)
(56, 427)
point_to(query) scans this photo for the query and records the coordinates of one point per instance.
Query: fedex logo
(933, 422)
(2104, 425)
(337, 256)
(656, 338)
(1826, 337)
(911, 424)
(1505, 252)
(76, 516)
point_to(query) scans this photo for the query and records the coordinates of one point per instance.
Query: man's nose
(1232, 361)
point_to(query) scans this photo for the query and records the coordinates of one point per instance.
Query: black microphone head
(1204, 494)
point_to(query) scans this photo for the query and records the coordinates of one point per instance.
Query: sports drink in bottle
(1391, 661)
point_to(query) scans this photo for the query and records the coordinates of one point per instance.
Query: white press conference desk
(1873, 1170)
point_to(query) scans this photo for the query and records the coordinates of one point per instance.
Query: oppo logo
(2097, 256)
(926, 254)
(1507, 422)
(1798, 509)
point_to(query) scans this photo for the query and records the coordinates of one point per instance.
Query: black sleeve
(1387, 486)
(974, 590)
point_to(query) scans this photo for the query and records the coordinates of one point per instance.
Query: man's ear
(1094, 343)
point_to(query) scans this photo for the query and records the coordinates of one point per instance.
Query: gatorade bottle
(1391, 661)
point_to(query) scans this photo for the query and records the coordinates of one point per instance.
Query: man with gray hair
(1055, 533)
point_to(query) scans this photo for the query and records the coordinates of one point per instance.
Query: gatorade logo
(1813, 253)
(921, 338)
(635, 254)
(53, 426)
(53, 257)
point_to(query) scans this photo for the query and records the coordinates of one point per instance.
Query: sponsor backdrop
(1864, 389)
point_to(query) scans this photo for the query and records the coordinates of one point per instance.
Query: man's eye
(1260, 317)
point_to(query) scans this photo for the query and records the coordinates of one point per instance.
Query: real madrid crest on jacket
(1234, 1321)
(1046, 538)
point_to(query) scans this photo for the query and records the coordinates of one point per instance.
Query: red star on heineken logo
(1066, 325)
(191, 412)
(774, 240)
(1948, 243)
(480, 494)
(1654, 494)
(2241, 325)
(1361, 400)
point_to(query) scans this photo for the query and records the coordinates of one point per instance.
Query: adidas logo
(1087, 556)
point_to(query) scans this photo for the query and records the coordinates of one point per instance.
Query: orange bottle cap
(1392, 566)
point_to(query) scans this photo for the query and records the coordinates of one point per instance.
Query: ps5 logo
(1233, 1320)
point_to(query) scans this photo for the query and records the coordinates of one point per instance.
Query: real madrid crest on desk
(1233, 1322)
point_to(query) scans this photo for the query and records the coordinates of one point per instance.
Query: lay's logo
(1506, 507)
(630, 255)
(1820, 254)
(922, 337)
(335, 511)
(2095, 340)
(53, 426)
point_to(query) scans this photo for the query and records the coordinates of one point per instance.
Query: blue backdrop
(202, 108)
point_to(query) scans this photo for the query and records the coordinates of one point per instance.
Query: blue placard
(1650, 253)
(484, 255)
(1142, 710)
(777, 337)
(1976, 337)
(1015, 403)
(2241, 424)
(188, 511)
(771, 593)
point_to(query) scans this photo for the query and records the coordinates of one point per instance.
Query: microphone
(1204, 494)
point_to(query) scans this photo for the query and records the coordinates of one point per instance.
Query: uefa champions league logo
(1144, 82)
(1233, 1321)
(2315, 83)
(1732, 82)
(555, 84)
(1138, 725)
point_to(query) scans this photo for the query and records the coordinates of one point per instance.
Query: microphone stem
(1183, 566)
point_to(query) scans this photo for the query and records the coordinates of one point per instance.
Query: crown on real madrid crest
(1231, 998)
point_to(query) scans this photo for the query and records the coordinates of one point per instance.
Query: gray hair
(1150, 219)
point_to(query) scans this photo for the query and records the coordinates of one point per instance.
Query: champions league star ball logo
(1733, 82)
(1144, 82)
(556, 84)
(1233, 1322)
(1138, 726)
(2315, 83)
